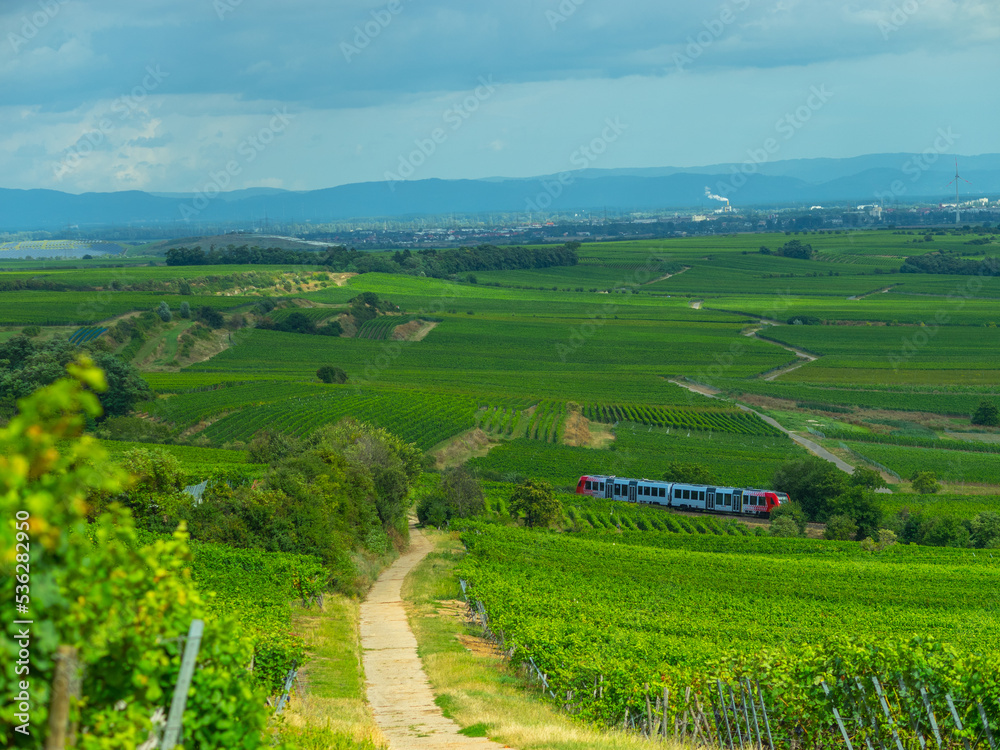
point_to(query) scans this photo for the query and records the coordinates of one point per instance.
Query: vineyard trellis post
(175, 718)
(836, 716)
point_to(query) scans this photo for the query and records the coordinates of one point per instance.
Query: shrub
(331, 374)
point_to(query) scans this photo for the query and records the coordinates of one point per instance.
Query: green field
(670, 610)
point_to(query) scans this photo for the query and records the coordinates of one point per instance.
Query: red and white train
(735, 500)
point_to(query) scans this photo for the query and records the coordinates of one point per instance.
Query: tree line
(430, 262)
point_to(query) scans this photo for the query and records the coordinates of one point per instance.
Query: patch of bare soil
(461, 448)
(205, 349)
(576, 431)
(667, 276)
(415, 330)
(203, 424)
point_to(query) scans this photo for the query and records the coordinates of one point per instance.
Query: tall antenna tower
(956, 181)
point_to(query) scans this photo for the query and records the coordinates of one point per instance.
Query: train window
(601, 488)
(663, 492)
(677, 494)
(701, 495)
(586, 485)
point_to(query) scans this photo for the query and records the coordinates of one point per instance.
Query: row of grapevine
(381, 328)
(590, 610)
(704, 419)
(85, 335)
(421, 418)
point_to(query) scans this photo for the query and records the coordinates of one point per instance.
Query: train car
(681, 495)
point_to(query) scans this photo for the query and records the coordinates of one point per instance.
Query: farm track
(809, 445)
(400, 695)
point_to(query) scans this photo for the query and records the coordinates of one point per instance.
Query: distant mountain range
(864, 179)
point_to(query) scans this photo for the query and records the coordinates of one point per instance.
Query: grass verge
(329, 709)
(476, 688)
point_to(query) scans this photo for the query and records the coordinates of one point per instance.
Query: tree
(210, 317)
(331, 374)
(31, 331)
(458, 496)
(26, 365)
(784, 526)
(795, 249)
(861, 506)
(840, 527)
(987, 414)
(812, 483)
(185, 311)
(296, 323)
(164, 312)
(867, 478)
(534, 500)
(925, 482)
(688, 473)
(986, 530)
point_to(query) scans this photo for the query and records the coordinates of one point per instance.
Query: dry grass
(474, 686)
(459, 449)
(328, 708)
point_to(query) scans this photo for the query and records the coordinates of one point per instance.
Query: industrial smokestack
(714, 197)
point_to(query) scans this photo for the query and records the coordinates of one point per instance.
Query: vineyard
(86, 335)
(947, 465)
(957, 400)
(381, 328)
(633, 619)
(257, 589)
(704, 419)
(736, 460)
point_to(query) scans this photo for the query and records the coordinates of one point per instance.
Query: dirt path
(666, 276)
(400, 696)
(809, 445)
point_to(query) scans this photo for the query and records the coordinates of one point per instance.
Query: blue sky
(170, 95)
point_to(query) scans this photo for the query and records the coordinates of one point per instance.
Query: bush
(331, 374)
(925, 482)
(688, 473)
(31, 331)
(185, 311)
(840, 527)
(867, 478)
(210, 317)
(784, 526)
(164, 312)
